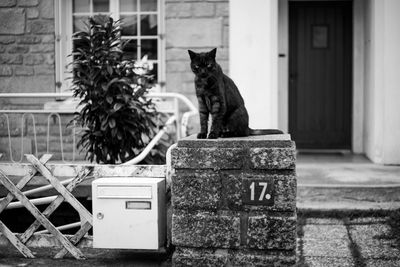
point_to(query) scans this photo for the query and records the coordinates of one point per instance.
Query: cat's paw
(212, 135)
(201, 135)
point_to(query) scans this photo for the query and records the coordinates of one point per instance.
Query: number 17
(264, 190)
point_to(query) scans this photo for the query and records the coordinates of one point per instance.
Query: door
(320, 74)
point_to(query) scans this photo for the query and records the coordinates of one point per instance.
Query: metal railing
(51, 172)
(56, 110)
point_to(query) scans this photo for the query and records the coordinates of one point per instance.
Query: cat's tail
(264, 131)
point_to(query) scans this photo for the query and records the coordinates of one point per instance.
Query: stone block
(46, 8)
(28, 2)
(225, 257)
(33, 59)
(254, 141)
(207, 158)
(33, 39)
(24, 84)
(203, 9)
(11, 59)
(18, 49)
(175, 80)
(23, 71)
(49, 59)
(12, 21)
(173, 54)
(206, 229)
(42, 48)
(180, 33)
(44, 69)
(196, 190)
(47, 39)
(32, 13)
(276, 158)
(7, 39)
(177, 66)
(40, 26)
(199, 257)
(270, 232)
(178, 10)
(8, 3)
(5, 71)
(284, 190)
(222, 9)
(262, 258)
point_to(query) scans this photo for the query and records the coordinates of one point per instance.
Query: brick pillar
(234, 202)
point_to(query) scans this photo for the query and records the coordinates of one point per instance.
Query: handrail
(162, 95)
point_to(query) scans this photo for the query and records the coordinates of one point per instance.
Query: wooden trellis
(39, 167)
(53, 173)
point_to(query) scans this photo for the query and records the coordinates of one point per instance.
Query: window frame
(63, 41)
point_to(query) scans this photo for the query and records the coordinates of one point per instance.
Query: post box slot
(138, 205)
(124, 192)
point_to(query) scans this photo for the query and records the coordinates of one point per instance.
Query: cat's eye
(209, 66)
(196, 67)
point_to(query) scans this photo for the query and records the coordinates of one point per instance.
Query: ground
(361, 239)
(348, 215)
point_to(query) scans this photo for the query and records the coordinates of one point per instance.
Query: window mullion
(139, 34)
(114, 9)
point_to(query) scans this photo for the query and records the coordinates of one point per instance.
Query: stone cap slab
(267, 141)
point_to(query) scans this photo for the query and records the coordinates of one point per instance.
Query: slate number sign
(258, 192)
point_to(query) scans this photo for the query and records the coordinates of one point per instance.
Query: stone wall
(27, 46)
(214, 222)
(199, 26)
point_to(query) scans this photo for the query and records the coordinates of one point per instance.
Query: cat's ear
(192, 54)
(213, 53)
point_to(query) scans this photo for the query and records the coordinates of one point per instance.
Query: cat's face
(203, 64)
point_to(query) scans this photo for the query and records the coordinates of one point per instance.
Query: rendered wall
(253, 58)
(382, 88)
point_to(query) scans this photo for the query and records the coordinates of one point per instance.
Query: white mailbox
(129, 213)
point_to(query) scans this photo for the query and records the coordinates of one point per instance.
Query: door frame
(357, 131)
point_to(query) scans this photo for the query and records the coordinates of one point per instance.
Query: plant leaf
(112, 123)
(118, 106)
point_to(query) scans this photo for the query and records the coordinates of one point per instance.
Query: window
(142, 31)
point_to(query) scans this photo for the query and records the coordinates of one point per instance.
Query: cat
(219, 97)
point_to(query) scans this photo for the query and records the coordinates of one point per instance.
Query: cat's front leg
(216, 115)
(203, 119)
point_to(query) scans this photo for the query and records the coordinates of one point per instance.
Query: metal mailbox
(129, 213)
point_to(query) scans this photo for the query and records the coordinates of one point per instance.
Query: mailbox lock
(100, 216)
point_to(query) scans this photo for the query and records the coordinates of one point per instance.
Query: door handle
(292, 77)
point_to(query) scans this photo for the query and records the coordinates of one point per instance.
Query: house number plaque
(258, 192)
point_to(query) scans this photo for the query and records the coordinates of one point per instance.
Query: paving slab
(328, 261)
(324, 221)
(326, 241)
(368, 220)
(382, 263)
(375, 241)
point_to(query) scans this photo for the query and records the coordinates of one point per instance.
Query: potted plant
(116, 117)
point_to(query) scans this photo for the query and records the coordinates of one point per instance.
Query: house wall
(27, 46)
(199, 26)
(382, 94)
(254, 58)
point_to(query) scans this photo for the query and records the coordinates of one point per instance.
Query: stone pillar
(234, 202)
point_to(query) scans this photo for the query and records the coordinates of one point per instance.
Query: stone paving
(360, 241)
(347, 242)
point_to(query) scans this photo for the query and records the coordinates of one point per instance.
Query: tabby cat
(218, 95)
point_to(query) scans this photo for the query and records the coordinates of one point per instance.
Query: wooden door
(320, 74)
